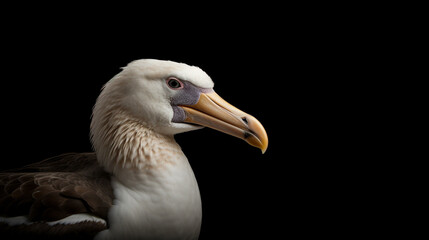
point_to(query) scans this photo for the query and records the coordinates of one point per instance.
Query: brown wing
(56, 188)
(80, 231)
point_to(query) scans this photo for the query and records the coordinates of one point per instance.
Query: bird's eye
(174, 83)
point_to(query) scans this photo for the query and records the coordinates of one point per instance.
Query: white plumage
(157, 195)
(135, 118)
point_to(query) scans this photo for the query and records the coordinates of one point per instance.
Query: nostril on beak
(244, 120)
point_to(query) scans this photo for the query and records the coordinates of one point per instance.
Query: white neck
(156, 193)
(122, 141)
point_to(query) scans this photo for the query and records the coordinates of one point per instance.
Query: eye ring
(174, 83)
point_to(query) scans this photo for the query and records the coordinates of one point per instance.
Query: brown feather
(56, 188)
(81, 231)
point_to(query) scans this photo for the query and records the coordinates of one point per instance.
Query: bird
(137, 183)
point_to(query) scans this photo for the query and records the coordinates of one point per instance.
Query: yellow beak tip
(264, 148)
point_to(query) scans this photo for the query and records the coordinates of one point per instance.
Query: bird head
(171, 98)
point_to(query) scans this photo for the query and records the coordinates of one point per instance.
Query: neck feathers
(124, 142)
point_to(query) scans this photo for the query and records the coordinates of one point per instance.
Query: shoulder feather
(56, 188)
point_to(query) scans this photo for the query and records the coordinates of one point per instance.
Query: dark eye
(174, 83)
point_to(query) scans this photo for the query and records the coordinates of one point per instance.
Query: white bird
(138, 184)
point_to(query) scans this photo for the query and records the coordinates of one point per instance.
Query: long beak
(214, 112)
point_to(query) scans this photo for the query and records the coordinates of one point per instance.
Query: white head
(142, 91)
(167, 98)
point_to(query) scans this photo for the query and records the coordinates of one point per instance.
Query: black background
(294, 71)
